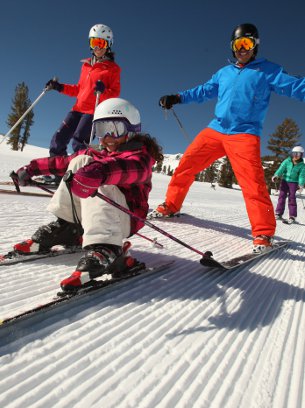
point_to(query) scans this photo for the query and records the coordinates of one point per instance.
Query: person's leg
(203, 151)
(81, 135)
(292, 202)
(102, 222)
(62, 137)
(243, 151)
(280, 208)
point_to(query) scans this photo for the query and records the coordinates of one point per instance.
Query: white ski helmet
(119, 109)
(101, 31)
(297, 149)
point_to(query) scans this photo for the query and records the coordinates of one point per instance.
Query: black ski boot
(101, 259)
(59, 232)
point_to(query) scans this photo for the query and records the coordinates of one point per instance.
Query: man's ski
(24, 193)
(13, 257)
(236, 262)
(64, 298)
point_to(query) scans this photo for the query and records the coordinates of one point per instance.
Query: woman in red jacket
(121, 171)
(100, 67)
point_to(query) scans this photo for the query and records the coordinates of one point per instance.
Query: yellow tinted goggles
(247, 43)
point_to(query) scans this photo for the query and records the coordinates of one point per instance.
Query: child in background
(292, 172)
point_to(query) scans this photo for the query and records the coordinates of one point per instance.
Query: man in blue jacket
(243, 92)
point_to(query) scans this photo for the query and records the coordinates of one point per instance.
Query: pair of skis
(96, 285)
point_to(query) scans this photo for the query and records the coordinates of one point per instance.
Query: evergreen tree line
(280, 143)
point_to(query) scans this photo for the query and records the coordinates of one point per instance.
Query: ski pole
(184, 132)
(97, 100)
(206, 254)
(26, 112)
(154, 241)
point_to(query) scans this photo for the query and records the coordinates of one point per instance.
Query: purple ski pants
(287, 189)
(76, 126)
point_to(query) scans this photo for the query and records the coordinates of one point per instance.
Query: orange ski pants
(243, 152)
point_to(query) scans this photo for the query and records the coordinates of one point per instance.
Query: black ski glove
(22, 177)
(53, 84)
(99, 87)
(168, 101)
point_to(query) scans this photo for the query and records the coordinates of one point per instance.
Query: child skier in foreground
(122, 171)
(243, 91)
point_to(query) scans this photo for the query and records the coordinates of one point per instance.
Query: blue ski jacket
(243, 95)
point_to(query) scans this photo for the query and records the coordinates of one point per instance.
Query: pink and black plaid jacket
(129, 168)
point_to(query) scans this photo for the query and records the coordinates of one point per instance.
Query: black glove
(168, 101)
(22, 177)
(53, 84)
(99, 87)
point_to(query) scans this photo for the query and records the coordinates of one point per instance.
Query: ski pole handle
(48, 88)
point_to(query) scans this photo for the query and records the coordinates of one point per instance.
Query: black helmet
(246, 30)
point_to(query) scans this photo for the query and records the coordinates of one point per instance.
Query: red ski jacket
(129, 168)
(107, 71)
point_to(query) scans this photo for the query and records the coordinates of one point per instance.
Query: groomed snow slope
(185, 337)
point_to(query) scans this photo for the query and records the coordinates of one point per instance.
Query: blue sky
(162, 48)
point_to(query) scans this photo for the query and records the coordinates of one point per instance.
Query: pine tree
(159, 166)
(21, 102)
(226, 175)
(210, 174)
(286, 136)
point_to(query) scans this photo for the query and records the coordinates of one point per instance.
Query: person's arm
(132, 169)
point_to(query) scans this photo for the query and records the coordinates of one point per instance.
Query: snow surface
(184, 337)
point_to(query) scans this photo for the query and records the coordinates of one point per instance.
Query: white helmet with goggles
(116, 117)
(102, 32)
(297, 149)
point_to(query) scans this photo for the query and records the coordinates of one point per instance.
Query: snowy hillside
(185, 337)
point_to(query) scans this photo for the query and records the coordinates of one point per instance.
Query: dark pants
(287, 189)
(76, 126)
